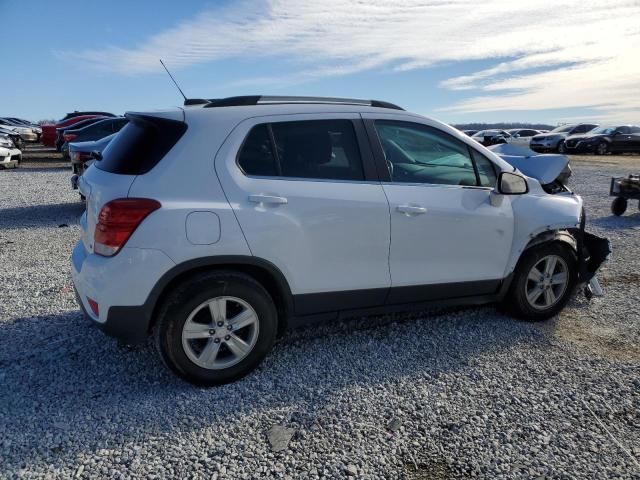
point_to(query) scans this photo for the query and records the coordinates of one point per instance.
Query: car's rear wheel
(216, 328)
(543, 283)
(602, 148)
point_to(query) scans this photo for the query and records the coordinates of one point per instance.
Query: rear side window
(140, 145)
(318, 149)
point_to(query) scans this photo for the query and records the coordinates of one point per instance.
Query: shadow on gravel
(630, 219)
(36, 216)
(67, 389)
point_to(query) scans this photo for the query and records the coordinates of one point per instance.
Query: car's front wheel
(216, 328)
(562, 147)
(543, 282)
(602, 148)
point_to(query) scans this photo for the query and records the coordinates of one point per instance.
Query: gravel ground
(460, 394)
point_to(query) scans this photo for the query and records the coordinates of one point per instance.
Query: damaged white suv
(217, 225)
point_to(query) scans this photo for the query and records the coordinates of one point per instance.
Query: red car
(49, 134)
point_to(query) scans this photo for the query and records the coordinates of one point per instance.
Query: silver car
(554, 140)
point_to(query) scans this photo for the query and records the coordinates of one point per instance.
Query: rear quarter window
(141, 145)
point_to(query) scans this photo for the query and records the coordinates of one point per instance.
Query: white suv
(217, 225)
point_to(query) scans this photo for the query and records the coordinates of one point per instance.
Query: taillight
(117, 220)
(81, 156)
(69, 136)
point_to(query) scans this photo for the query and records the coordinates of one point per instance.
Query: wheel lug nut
(212, 332)
(227, 337)
(216, 340)
(220, 324)
(229, 327)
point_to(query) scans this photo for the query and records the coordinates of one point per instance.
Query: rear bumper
(121, 286)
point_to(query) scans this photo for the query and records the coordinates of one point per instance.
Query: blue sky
(459, 61)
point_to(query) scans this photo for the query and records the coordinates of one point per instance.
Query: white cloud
(547, 53)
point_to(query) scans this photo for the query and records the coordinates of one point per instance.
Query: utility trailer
(624, 189)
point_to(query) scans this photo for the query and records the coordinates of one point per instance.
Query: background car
(492, 137)
(470, 133)
(94, 131)
(49, 130)
(14, 136)
(28, 134)
(522, 136)
(83, 123)
(82, 155)
(609, 139)
(9, 155)
(84, 113)
(554, 140)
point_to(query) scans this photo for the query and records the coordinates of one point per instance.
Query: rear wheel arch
(262, 271)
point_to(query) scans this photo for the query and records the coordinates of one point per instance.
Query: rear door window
(315, 149)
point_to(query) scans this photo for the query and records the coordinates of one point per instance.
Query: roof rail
(275, 100)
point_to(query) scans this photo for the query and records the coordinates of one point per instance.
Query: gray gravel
(460, 394)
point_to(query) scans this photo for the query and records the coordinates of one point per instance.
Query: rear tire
(619, 206)
(541, 294)
(211, 351)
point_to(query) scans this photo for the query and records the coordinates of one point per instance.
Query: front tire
(543, 283)
(602, 148)
(216, 328)
(562, 148)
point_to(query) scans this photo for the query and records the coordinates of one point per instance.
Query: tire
(518, 303)
(602, 148)
(228, 359)
(562, 148)
(619, 206)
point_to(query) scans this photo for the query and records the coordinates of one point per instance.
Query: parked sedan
(492, 137)
(14, 136)
(49, 130)
(554, 141)
(83, 154)
(28, 134)
(95, 131)
(522, 136)
(9, 155)
(603, 140)
(81, 124)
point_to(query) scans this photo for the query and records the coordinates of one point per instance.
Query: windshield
(603, 131)
(562, 129)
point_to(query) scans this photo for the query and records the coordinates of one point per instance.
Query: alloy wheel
(220, 332)
(547, 282)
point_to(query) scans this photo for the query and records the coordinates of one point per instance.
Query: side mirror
(96, 155)
(512, 184)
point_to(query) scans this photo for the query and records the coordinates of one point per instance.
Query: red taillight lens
(81, 156)
(93, 305)
(117, 220)
(69, 137)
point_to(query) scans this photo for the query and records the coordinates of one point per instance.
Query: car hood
(543, 167)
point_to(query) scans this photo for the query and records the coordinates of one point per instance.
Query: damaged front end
(592, 252)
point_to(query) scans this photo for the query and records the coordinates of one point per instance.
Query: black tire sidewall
(192, 294)
(606, 148)
(619, 206)
(516, 300)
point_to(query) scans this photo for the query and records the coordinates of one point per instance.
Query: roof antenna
(174, 80)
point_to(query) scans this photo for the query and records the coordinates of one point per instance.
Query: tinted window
(486, 169)
(256, 155)
(324, 149)
(634, 129)
(624, 130)
(140, 145)
(421, 154)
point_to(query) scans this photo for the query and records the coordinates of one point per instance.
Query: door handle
(411, 209)
(270, 199)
